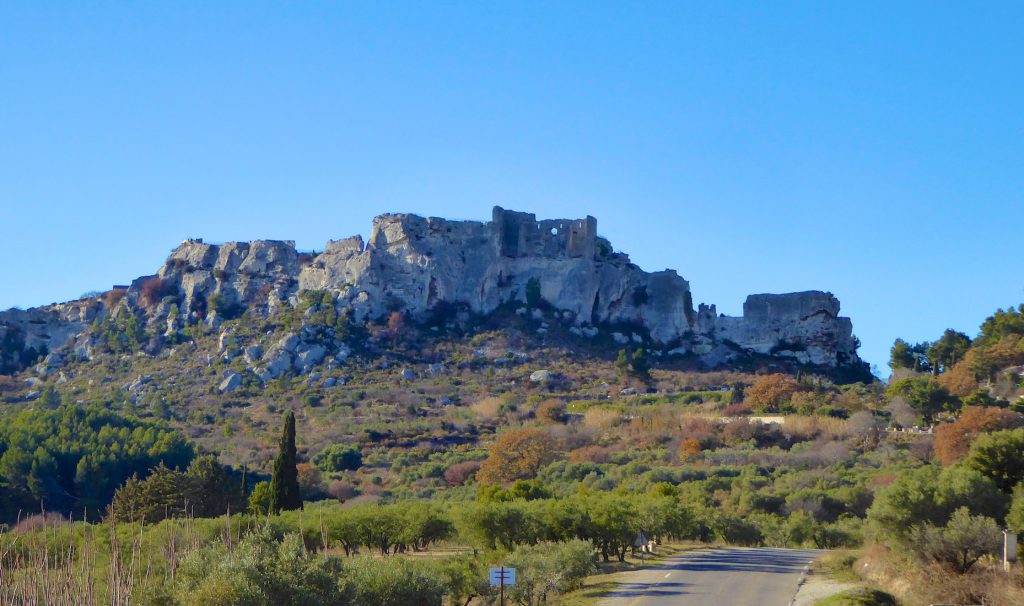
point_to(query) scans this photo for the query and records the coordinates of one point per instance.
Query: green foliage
(393, 582)
(929, 495)
(1000, 456)
(73, 458)
(337, 457)
(549, 569)
(860, 597)
(906, 355)
(961, 543)
(1002, 324)
(284, 482)
(736, 529)
(261, 570)
(205, 490)
(123, 334)
(633, 364)
(225, 307)
(259, 500)
(934, 357)
(923, 394)
(948, 350)
(1015, 519)
(527, 490)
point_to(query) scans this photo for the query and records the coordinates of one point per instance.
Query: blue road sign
(502, 576)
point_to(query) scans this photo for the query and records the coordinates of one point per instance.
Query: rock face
(805, 326)
(414, 264)
(239, 273)
(26, 333)
(423, 265)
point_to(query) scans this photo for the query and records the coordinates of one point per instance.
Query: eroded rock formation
(415, 265)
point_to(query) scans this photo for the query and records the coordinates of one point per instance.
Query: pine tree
(284, 481)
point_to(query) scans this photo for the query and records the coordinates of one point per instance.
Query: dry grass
(828, 427)
(487, 408)
(602, 418)
(920, 585)
(53, 561)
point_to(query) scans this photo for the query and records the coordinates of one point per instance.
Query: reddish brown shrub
(154, 289)
(460, 473)
(310, 482)
(689, 450)
(552, 411)
(700, 429)
(960, 380)
(953, 440)
(517, 455)
(112, 297)
(771, 392)
(738, 431)
(397, 325)
(341, 490)
(592, 454)
(736, 410)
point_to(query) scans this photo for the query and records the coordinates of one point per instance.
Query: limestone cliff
(415, 265)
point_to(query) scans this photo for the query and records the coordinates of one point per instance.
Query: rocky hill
(429, 270)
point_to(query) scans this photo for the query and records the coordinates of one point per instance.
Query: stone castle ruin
(414, 264)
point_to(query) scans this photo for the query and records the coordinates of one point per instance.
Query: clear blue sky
(874, 149)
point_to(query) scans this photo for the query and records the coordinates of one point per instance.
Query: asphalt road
(718, 577)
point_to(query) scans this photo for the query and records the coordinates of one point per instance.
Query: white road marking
(668, 575)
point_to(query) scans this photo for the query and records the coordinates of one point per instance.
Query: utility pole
(500, 577)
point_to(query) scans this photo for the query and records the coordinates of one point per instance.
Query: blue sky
(873, 149)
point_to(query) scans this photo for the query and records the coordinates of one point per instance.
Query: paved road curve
(718, 577)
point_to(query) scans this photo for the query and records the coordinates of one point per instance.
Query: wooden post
(502, 586)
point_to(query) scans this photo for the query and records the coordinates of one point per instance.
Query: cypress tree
(284, 481)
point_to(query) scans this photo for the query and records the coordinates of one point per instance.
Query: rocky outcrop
(415, 264)
(423, 265)
(240, 274)
(804, 326)
(26, 335)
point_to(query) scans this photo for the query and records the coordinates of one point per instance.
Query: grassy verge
(600, 585)
(838, 565)
(859, 597)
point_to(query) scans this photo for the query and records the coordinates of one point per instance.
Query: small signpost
(502, 577)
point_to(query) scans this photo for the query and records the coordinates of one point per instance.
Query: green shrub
(549, 569)
(393, 582)
(261, 570)
(337, 457)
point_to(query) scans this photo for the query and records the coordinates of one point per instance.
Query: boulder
(278, 364)
(308, 356)
(542, 376)
(231, 382)
(253, 353)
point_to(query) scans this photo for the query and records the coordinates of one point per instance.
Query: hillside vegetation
(435, 449)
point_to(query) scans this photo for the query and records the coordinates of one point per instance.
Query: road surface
(716, 577)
